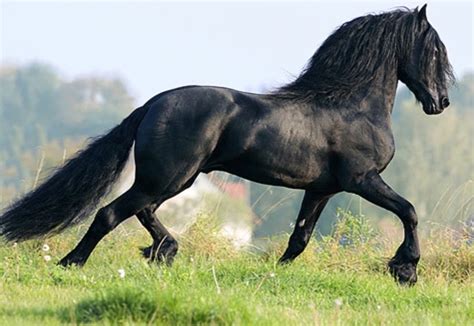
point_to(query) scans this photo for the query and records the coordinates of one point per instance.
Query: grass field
(212, 283)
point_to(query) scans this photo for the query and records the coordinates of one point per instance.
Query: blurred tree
(39, 110)
(275, 207)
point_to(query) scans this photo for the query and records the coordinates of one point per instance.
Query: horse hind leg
(165, 246)
(157, 178)
(132, 202)
(107, 219)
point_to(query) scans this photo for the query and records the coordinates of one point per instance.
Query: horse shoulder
(363, 145)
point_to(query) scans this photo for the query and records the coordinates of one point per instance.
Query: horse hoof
(285, 260)
(403, 273)
(146, 252)
(68, 262)
(166, 252)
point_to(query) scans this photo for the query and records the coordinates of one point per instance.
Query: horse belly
(281, 169)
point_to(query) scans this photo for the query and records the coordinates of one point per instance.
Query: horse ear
(422, 13)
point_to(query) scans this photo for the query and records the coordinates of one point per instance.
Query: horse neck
(378, 99)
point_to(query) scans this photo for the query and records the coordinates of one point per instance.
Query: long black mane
(349, 59)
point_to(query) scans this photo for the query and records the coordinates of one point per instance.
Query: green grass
(211, 283)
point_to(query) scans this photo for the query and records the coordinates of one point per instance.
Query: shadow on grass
(36, 313)
(117, 307)
(139, 305)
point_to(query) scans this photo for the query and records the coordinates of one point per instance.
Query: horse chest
(385, 153)
(366, 146)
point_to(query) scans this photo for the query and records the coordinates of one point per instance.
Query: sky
(155, 46)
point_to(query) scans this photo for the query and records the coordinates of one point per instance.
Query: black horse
(326, 132)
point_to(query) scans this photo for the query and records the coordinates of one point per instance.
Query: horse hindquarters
(172, 143)
(169, 156)
(177, 137)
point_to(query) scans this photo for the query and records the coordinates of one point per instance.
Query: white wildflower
(15, 244)
(45, 248)
(272, 274)
(338, 302)
(47, 258)
(379, 307)
(121, 272)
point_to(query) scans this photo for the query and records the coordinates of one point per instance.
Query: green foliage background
(41, 113)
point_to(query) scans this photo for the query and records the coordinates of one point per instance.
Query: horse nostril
(445, 102)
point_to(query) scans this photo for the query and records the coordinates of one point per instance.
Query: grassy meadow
(213, 283)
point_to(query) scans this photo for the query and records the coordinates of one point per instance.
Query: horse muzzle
(434, 106)
(444, 102)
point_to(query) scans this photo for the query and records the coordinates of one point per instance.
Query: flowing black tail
(72, 193)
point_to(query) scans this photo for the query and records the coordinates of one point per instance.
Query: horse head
(424, 66)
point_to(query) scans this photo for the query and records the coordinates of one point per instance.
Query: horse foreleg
(403, 265)
(311, 208)
(164, 246)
